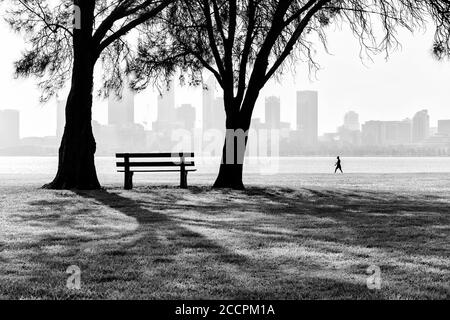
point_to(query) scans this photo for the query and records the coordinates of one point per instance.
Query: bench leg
(183, 179)
(128, 180)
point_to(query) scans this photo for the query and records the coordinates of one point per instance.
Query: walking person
(338, 165)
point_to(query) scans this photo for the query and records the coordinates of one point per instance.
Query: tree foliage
(47, 27)
(244, 43)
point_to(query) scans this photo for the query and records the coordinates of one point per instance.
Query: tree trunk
(233, 154)
(76, 167)
(230, 175)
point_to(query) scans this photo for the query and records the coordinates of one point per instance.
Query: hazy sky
(409, 81)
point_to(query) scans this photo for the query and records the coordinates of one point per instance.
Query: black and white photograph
(223, 151)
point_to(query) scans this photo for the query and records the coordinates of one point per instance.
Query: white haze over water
(24, 166)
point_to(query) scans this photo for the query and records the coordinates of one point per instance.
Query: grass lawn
(311, 241)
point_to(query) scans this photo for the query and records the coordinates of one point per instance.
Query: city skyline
(121, 129)
(102, 115)
(121, 111)
(167, 108)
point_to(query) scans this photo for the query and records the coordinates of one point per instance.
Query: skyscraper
(404, 132)
(9, 128)
(273, 112)
(421, 126)
(166, 105)
(397, 132)
(60, 118)
(218, 115)
(208, 102)
(372, 133)
(386, 133)
(213, 107)
(351, 121)
(444, 127)
(308, 116)
(349, 132)
(121, 111)
(186, 116)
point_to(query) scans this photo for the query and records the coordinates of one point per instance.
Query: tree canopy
(48, 29)
(243, 41)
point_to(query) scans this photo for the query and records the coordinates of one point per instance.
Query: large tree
(65, 40)
(244, 43)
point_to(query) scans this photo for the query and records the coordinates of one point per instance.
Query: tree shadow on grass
(277, 243)
(406, 222)
(387, 214)
(406, 234)
(157, 258)
(275, 222)
(369, 218)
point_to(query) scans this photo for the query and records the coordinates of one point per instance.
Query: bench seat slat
(156, 155)
(156, 164)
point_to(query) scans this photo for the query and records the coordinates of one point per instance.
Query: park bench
(130, 163)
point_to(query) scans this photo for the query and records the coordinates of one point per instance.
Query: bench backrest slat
(156, 155)
(155, 164)
(180, 159)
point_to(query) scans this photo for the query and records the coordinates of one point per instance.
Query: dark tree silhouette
(245, 43)
(66, 40)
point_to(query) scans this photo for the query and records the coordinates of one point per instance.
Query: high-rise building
(167, 114)
(372, 133)
(420, 126)
(121, 109)
(307, 116)
(213, 107)
(349, 133)
(405, 131)
(186, 116)
(208, 102)
(397, 132)
(219, 117)
(351, 121)
(433, 131)
(386, 133)
(444, 127)
(273, 113)
(166, 105)
(9, 128)
(60, 118)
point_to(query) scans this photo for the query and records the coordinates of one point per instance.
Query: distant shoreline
(280, 157)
